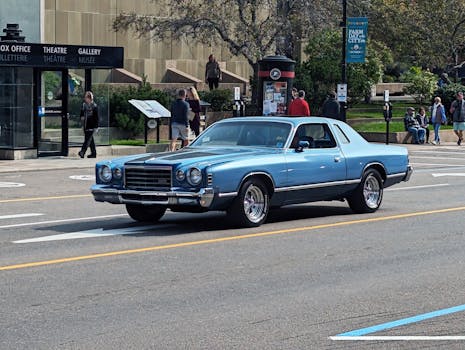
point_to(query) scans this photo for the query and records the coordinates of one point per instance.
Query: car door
(317, 172)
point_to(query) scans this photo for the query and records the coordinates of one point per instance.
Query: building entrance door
(52, 112)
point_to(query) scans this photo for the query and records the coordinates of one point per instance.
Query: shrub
(448, 94)
(421, 84)
(126, 116)
(220, 100)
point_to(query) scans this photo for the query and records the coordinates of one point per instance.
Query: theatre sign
(62, 56)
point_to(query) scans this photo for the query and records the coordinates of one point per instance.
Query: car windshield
(261, 134)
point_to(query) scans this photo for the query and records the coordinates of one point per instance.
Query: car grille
(147, 178)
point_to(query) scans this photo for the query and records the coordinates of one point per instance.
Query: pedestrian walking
(438, 117)
(299, 107)
(179, 120)
(212, 72)
(331, 107)
(89, 120)
(457, 109)
(194, 103)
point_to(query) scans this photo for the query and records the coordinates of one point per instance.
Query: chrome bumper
(203, 198)
(408, 174)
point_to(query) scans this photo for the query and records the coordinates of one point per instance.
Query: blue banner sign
(357, 36)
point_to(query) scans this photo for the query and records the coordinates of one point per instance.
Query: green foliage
(379, 127)
(421, 83)
(448, 94)
(321, 72)
(126, 116)
(52, 82)
(220, 100)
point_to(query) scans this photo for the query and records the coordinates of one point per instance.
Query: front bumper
(408, 174)
(202, 198)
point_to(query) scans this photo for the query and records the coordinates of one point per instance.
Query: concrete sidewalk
(75, 162)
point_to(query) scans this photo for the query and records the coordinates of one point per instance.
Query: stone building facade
(89, 22)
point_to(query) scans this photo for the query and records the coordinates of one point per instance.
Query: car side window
(341, 135)
(317, 135)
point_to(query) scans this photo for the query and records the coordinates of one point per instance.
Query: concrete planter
(406, 137)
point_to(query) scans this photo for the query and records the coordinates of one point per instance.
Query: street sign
(342, 92)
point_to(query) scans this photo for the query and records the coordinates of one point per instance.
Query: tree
(321, 72)
(421, 84)
(250, 28)
(428, 33)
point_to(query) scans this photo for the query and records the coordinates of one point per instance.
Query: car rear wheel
(251, 206)
(368, 195)
(145, 213)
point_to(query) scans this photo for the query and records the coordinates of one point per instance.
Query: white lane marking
(435, 164)
(447, 174)
(415, 187)
(437, 151)
(408, 337)
(11, 184)
(95, 233)
(64, 220)
(83, 177)
(448, 158)
(15, 216)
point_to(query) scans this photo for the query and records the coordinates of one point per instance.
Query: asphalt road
(76, 274)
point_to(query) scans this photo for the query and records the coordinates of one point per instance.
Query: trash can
(275, 79)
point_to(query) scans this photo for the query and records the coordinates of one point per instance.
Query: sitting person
(413, 127)
(423, 121)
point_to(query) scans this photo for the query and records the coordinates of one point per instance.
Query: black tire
(145, 213)
(251, 206)
(368, 195)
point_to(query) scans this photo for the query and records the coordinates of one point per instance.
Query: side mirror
(302, 144)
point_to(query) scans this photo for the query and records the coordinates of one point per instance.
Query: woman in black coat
(194, 103)
(89, 119)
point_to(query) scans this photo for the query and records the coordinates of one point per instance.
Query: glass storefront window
(101, 90)
(76, 82)
(16, 108)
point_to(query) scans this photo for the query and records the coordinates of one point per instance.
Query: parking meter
(387, 113)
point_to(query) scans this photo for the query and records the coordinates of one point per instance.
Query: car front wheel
(251, 206)
(145, 213)
(368, 195)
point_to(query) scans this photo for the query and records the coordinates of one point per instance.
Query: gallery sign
(357, 29)
(60, 56)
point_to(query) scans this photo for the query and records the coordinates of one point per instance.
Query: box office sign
(357, 28)
(60, 56)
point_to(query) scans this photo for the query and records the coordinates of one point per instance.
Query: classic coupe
(247, 165)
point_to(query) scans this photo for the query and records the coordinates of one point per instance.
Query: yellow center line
(44, 198)
(224, 239)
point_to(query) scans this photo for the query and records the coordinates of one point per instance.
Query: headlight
(104, 173)
(117, 173)
(194, 176)
(180, 175)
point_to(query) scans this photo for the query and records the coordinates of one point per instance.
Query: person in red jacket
(299, 106)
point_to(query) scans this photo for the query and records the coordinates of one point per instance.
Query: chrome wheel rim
(372, 192)
(254, 204)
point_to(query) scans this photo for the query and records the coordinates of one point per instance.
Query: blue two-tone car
(245, 166)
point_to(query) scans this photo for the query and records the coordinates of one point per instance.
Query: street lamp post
(344, 61)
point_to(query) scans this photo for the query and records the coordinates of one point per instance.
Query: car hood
(200, 156)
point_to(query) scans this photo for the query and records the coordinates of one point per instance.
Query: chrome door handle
(337, 159)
